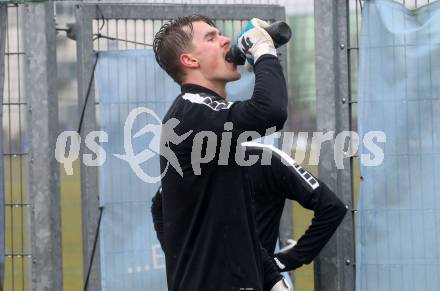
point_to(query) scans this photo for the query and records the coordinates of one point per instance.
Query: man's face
(210, 48)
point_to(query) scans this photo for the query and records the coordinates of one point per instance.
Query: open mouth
(228, 56)
(228, 61)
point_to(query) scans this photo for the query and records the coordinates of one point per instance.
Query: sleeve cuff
(265, 57)
(285, 263)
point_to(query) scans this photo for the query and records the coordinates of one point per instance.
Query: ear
(188, 61)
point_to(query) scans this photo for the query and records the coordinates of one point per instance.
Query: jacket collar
(193, 88)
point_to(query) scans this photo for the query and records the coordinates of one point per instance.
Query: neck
(217, 87)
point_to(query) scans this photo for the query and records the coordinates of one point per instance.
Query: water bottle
(280, 33)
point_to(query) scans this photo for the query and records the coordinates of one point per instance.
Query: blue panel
(398, 225)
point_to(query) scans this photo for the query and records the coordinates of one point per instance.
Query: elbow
(333, 203)
(276, 118)
(281, 120)
(341, 210)
(335, 212)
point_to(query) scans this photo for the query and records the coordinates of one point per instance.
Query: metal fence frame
(42, 117)
(334, 267)
(85, 14)
(3, 20)
(43, 180)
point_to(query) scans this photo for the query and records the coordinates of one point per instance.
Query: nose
(225, 41)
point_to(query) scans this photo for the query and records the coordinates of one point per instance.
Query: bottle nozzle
(235, 56)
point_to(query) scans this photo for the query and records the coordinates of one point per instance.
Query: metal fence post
(3, 21)
(44, 182)
(89, 175)
(286, 224)
(334, 268)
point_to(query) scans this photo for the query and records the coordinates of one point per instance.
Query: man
(283, 178)
(272, 184)
(209, 233)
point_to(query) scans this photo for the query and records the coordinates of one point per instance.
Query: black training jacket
(272, 184)
(285, 179)
(209, 232)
